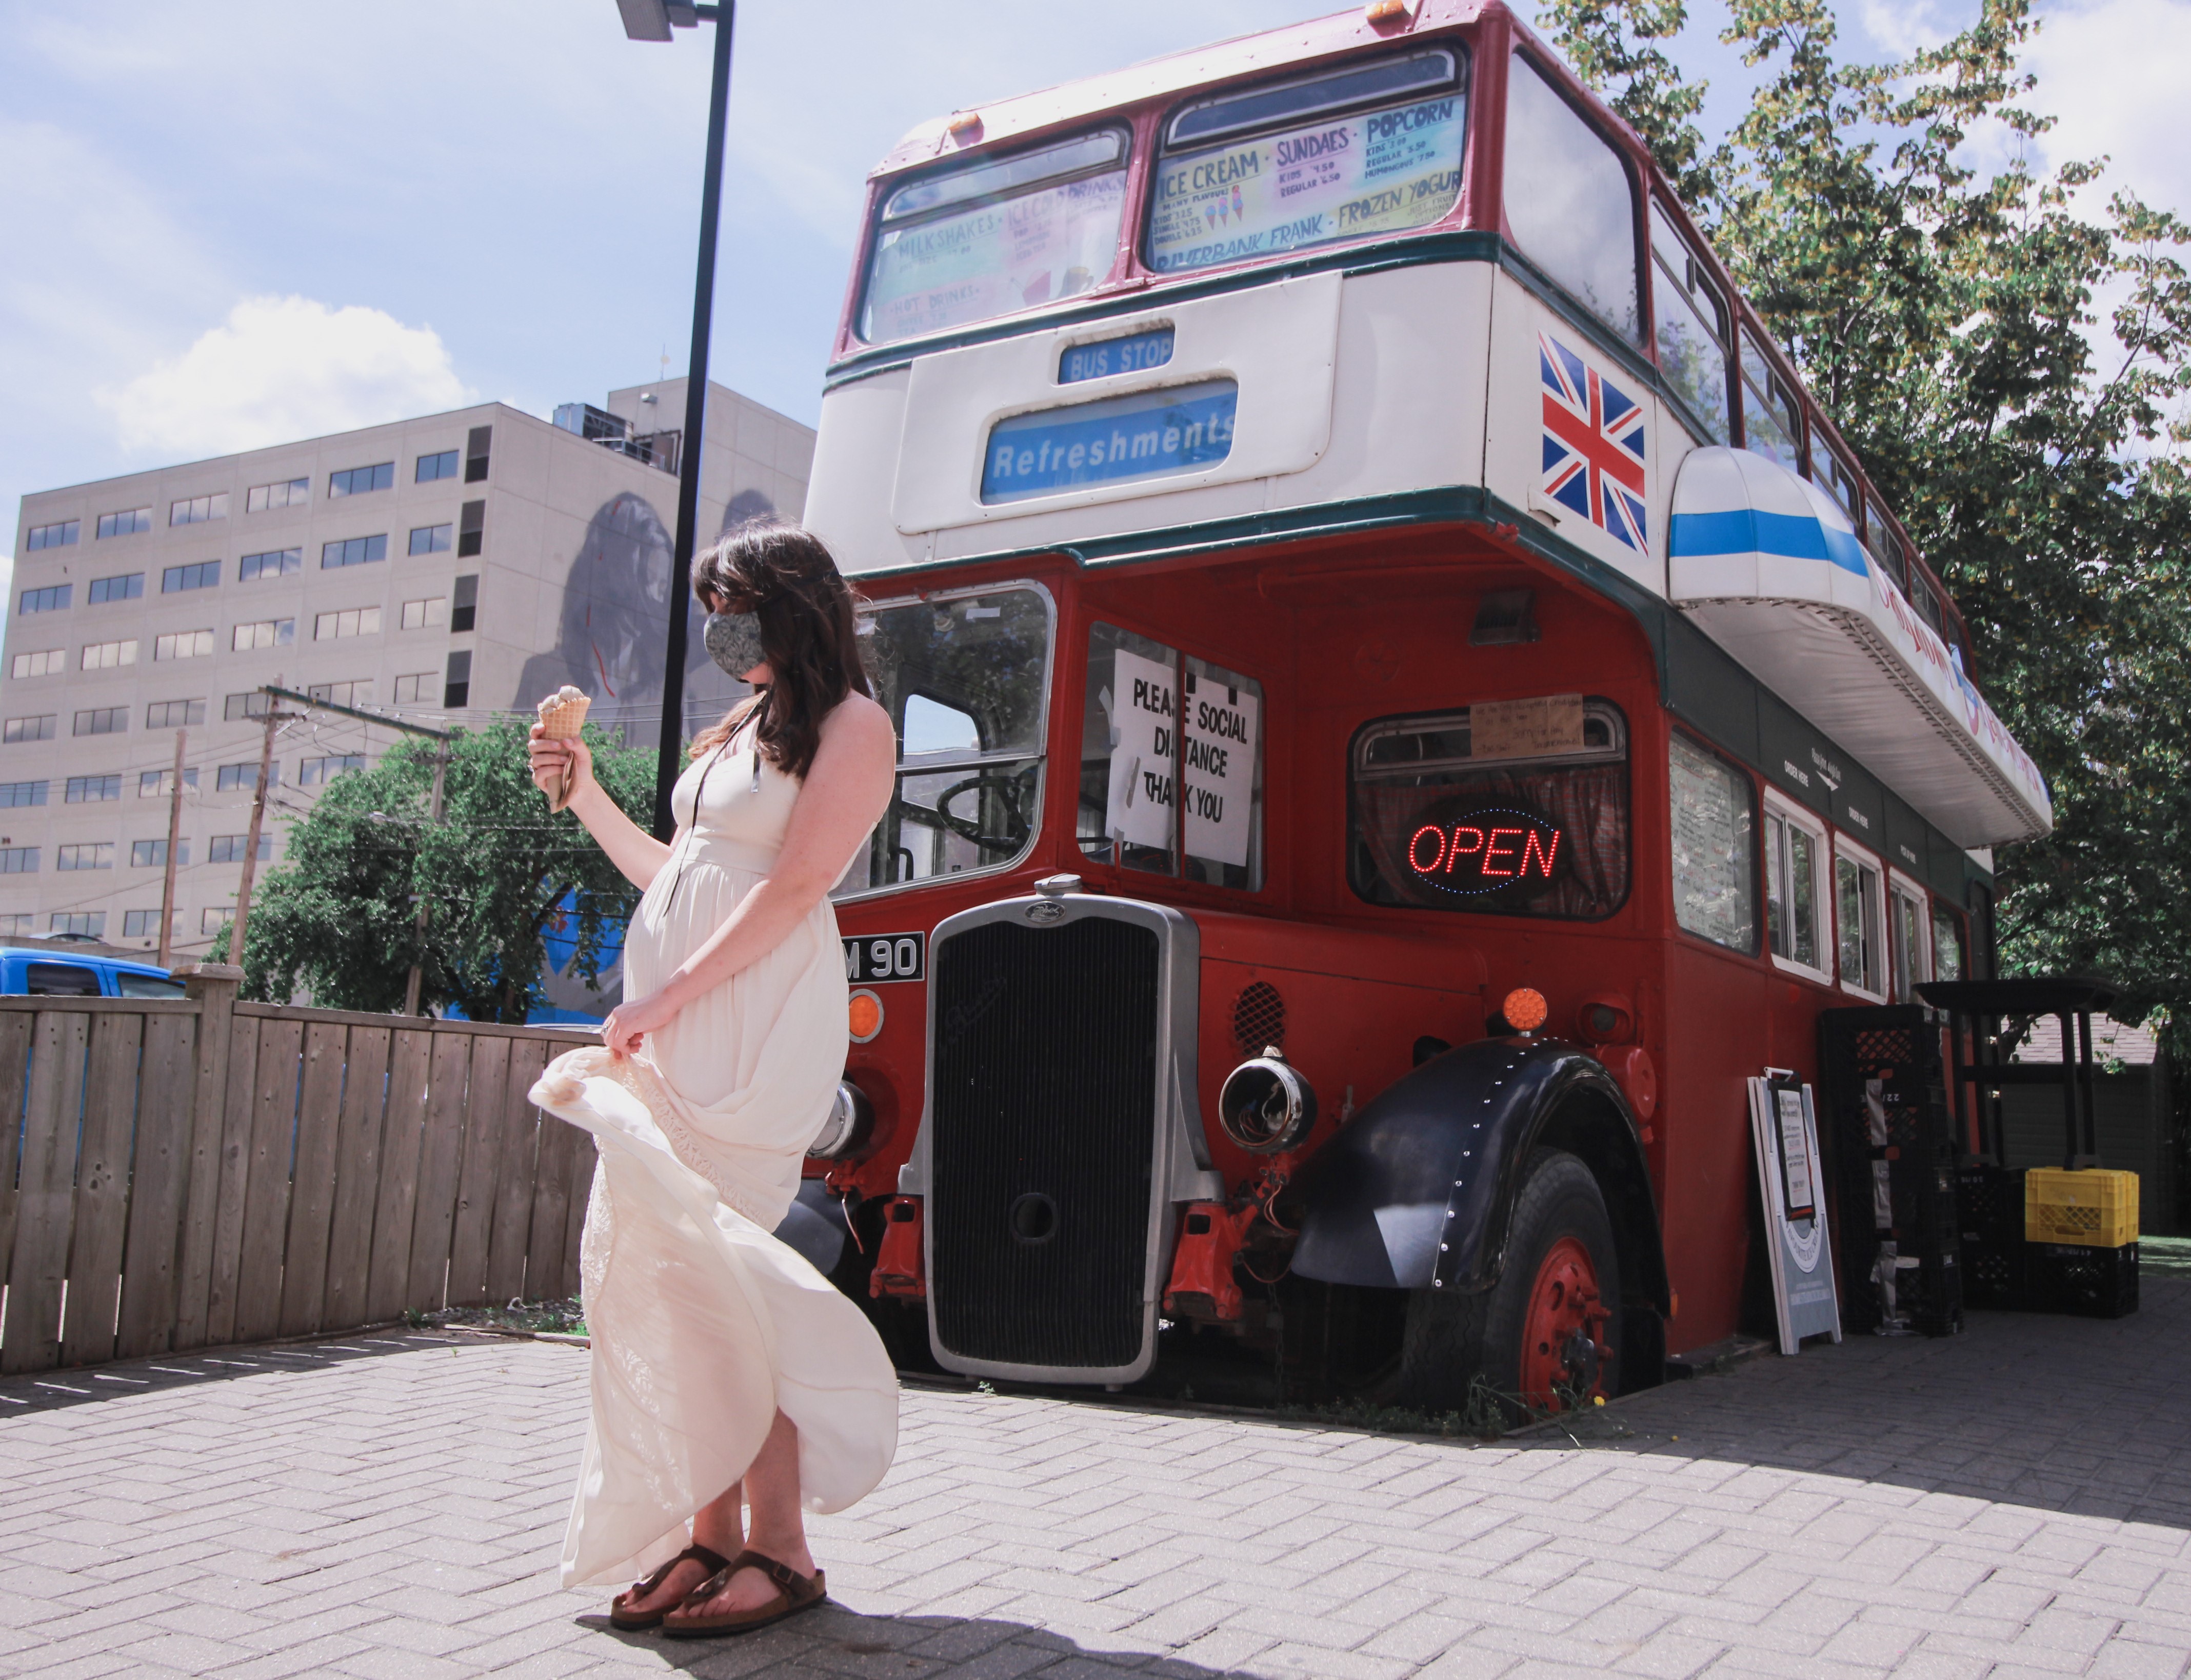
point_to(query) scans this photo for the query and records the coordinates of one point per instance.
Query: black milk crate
(2084, 1283)
(1989, 1203)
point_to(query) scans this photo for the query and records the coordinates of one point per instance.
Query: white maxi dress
(703, 1324)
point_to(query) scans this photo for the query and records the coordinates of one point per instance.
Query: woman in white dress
(725, 1370)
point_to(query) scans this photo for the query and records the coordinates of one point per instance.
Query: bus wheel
(1542, 1337)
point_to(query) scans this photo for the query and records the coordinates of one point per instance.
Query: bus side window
(1795, 890)
(1857, 898)
(1886, 547)
(1692, 321)
(1947, 945)
(1770, 427)
(1570, 201)
(1715, 863)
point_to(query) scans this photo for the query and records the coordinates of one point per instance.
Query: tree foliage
(340, 916)
(2009, 360)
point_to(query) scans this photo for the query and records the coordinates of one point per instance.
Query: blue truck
(68, 968)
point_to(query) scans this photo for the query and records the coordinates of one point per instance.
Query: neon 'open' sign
(1488, 849)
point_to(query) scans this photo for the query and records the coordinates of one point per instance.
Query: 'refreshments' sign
(1149, 434)
(1487, 852)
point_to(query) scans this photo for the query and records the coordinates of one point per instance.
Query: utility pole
(251, 841)
(411, 987)
(174, 830)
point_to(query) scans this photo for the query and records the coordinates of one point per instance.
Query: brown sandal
(794, 1592)
(631, 1621)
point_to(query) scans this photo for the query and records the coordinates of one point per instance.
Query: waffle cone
(562, 716)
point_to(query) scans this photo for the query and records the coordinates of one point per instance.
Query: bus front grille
(1042, 1124)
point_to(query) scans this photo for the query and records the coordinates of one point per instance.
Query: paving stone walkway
(2015, 1502)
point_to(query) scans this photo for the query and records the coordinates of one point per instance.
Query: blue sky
(234, 221)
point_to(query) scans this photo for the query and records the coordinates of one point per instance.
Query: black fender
(1418, 1190)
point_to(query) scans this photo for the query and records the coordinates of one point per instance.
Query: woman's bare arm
(844, 796)
(630, 847)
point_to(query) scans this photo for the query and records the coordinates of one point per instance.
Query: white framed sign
(1784, 1126)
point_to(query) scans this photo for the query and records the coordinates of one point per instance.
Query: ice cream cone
(562, 716)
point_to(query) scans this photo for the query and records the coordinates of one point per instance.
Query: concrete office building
(451, 566)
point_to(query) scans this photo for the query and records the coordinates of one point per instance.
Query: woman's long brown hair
(784, 573)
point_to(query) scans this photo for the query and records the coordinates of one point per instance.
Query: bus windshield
(965, 679)
(995, 236)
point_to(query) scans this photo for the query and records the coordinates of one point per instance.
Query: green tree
(339, 916)
(1950, 322)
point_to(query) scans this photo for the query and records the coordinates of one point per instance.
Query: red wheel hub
(1560, 1331)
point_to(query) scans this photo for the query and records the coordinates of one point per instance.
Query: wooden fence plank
(213, 988)
(158, 1167)
(31, 1341)
(357, 1178)
(484, 1112)
(586, 1159)
(513, 1195)
(389, 1276)
(313, 1187)
(102, 1189)
(239, 1087)
(266, 1202)
(551, 1205)
(14, 1069)
(440, 1156)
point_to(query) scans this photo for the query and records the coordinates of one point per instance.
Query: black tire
(1454, 1336)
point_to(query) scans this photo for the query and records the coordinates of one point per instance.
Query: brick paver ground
(2016, 1502)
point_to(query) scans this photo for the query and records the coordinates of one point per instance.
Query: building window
(128, 587)
(1796, 921)
(93, 922)
(471, 528)
(51, 599)
(158, 783)
(152, 854)
(27, 729)
(313, 771)
(430, 613)
(103, 721)
(350, 621)
(107, 656)
(93, 789)
(182, 645)
(273, 563)
(359, 481)
(19, 860)
(145, 923)
(250, 705)
(12, 794)
(125, 524)
(265, 498)
(202, 575)
(415, 690)
(59, 535)
(230, 848)
(355, 551)
(476, 452)
(265, 633)
(457, 687)
(433, 467)
(244, 777)
(464, 611)
(358, 693)
(1859, 901)
(1570, 201)
(197, 509)
(48, 662)
(431, 539)
(1714, 867)
(91, 855)
(174, 714)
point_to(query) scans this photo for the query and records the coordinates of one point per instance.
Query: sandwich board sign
(1785, 1127)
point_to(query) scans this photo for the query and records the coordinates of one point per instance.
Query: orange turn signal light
(1525, 1009)
(866, 1017)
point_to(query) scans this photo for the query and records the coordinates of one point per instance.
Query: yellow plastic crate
(2096, 1207)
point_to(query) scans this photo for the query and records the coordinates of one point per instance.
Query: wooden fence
(203, 1172)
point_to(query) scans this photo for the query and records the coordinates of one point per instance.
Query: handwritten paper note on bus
(1533, 728)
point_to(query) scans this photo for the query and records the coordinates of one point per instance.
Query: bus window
(1569, 200)
(1795, 888)
(1131, 753)
(1374, 148)
(1947, 945)
(1715, 882)
(1770, 427)
(1912, 929)
(1837, 478)
(1921, 596)
(1507, 808)
(1862, 912)
(1692, 326)
(1886, 547)
(964, 678)
(995, 236)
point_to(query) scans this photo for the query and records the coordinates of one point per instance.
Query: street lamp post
(654, 20)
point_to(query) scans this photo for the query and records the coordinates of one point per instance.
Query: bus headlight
(846, 1133)
(1265, 1105)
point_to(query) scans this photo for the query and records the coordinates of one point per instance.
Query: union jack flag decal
(1593, 444)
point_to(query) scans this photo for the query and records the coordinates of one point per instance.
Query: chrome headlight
(852, 1119)
(1266, 1106)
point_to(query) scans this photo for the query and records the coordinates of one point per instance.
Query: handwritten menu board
(1533, 728)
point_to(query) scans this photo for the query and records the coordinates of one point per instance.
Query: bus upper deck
(1393, 267)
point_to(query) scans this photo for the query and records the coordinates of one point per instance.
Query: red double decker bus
(1406, 705)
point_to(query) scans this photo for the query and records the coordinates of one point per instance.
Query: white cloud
(2112, 73)
(280, 368)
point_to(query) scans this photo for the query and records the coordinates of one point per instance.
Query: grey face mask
(733, 640)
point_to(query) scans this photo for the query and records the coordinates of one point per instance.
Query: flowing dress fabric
(704, 1325)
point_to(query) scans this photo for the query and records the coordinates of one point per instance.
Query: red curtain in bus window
(1563, 834)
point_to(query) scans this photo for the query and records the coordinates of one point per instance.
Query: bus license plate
(884, 956)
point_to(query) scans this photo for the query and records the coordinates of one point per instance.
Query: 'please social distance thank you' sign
(1217, 748)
